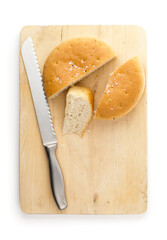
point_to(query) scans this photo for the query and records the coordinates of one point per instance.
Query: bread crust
(71, 61)
(123, 91)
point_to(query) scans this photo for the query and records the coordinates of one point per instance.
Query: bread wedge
(123, 91)
(78, 111)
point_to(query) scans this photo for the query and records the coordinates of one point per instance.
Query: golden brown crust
(72, 60)
(123, 91)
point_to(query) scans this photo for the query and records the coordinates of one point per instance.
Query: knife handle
(57, 182)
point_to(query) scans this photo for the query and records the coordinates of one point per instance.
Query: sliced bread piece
(71, 61)
(123, 91)
(78, 111)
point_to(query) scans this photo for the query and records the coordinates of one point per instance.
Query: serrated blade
(38, 94)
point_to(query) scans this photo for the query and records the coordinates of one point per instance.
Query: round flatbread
(71, 61)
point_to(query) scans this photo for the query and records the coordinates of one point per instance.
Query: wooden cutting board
(105, 171)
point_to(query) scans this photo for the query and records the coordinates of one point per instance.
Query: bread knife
(44, 120)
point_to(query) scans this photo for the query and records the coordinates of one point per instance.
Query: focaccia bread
(71, 61)
(123, 91)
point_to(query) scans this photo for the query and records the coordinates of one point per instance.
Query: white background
(152, 16)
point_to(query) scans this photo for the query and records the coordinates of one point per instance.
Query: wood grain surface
(105, 171)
